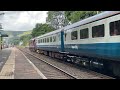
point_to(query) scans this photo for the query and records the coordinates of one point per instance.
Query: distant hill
(14, 33)
(14, 36)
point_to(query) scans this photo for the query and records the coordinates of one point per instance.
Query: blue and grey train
(92, 42)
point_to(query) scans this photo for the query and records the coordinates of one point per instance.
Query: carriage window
(115, 28)
(59, 35)
(65, 36)
(38, 41)
(54, 38)
(74, 35)
(41, 40)
(45, 40)
(84, 33)
(98, 31)
(50, 39)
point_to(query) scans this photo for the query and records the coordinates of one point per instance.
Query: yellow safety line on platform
(7, 71)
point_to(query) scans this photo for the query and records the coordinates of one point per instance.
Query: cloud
(22, 20)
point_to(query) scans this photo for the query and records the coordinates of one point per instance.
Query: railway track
(68, 70)
(54, 69)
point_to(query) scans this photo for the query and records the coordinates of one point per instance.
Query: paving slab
(17, 66)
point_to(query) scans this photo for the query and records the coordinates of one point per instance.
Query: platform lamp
(0, 41)
(0, 38)
(0, 32)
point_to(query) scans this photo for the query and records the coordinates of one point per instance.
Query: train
(93, 42)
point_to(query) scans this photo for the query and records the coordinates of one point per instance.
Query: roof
(53, 32)
(84, 21)
(93, 18)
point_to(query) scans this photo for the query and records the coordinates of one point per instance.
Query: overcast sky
(22, 20)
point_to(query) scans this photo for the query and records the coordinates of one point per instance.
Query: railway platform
(18, 66)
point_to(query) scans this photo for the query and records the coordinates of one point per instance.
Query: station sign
(4, 35)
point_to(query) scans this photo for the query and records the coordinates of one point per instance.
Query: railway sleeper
(83, 61)
(110, 67)
(91, 63)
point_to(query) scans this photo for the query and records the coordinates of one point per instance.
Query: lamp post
(1, 36)
(0, 41)
(1, 33)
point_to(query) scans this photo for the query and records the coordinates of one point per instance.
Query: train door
(61, 41)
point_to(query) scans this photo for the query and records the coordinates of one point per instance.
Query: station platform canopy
(3, 34)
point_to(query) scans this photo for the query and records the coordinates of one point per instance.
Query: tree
(74, 16)
(68, 14)
(14, 40)
(57, 19)
(25, 39)
(41, 29)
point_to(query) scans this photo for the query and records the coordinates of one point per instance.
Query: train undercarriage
(106, 66)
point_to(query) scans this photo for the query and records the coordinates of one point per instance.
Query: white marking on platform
(1, 63)
(4, 57)
(7, 71)
(38, 71)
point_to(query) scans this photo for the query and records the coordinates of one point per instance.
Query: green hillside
(15, 36)
(15, 33)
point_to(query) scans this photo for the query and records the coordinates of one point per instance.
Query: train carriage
(50, 43)
(93, 37)
(92, 42)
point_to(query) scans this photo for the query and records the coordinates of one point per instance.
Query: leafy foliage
(14, 40)
(25, 39)
(14, 33)
(74, 16)
(15, 37)
(68, 14)
(41, 29)
(25, 33)
(57, 19)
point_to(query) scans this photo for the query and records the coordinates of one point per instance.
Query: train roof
(33, 38)
(84, 21)
(92, 19)
(53, 32)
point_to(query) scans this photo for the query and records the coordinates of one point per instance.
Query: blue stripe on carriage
(109, 50)
(50, 47)
(99, 49)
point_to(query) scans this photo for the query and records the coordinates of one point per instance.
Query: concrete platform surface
(18, 66)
